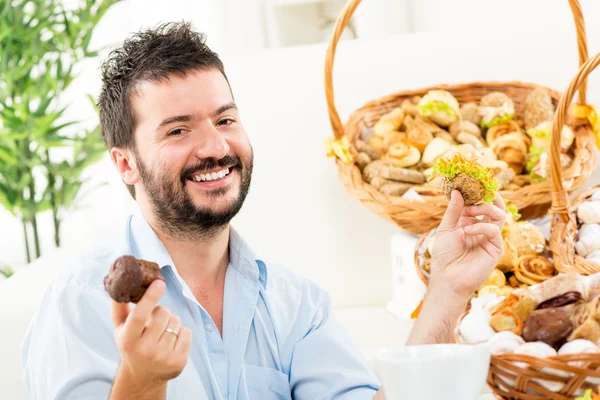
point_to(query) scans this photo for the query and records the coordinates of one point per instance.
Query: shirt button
(208, 327)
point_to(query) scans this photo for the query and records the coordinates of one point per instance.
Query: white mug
(437, 371)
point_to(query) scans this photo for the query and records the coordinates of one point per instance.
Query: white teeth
(211, 176)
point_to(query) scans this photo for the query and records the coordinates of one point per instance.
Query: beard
(174, 209)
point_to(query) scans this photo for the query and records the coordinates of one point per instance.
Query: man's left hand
(467, 249)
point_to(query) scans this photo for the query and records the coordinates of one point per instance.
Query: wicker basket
(417, 217)
(518, 376)
(564, 222)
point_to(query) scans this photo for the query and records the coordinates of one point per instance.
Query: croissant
(502, 129)
(512, 148)
(391, 121)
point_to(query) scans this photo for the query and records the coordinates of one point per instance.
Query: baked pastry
(409, 108)
(376, 142)
(470, 112)
(402, 175)
(510, 257)
(512, 148)
(534, 269)
(550, 325)
(390, 121)
(372, 170)
(373, 153)
(128, 278)
(391, 138)
(527, 238)
(538, 108)
(495, 108)
(464, 126)
(362, 160)
(418, 137)
(475, 183)
(435, 149)
(402, 155)
(440, 107)
(589, 212)
(500, 130)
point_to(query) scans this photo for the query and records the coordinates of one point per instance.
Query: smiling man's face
(192, 155)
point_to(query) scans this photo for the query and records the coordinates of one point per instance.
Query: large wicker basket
(519, 377)
(564, 222)
(415, 216)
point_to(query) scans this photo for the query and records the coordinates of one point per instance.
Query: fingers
(453, 212)
(499, 202)
(488, 230)
(169, 338)
(157, 324)
(184, 340)
(490, 213)
(139, 316)
(120, 311)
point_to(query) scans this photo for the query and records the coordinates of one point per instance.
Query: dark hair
(150, 55)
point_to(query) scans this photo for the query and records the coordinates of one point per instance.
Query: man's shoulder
(285, 283)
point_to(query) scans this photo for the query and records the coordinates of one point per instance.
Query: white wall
(298, 212)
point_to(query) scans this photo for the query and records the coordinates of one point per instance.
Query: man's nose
(210, 143)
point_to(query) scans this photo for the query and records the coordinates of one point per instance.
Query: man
(226, 324)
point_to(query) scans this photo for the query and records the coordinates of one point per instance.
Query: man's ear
(125, 162)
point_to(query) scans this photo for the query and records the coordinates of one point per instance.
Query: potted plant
(42, 155)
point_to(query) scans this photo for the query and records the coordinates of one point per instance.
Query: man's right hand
(150, 354)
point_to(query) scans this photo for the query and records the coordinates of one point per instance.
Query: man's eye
(176, 132)
(226, 122)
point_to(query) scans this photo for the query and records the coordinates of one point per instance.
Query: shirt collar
(145, 244)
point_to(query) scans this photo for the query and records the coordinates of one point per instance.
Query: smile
(210, 176)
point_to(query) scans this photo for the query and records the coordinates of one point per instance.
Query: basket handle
(560, 198)
(344, 18)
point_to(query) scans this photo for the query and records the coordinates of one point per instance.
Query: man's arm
(465, 252)
(467, 248)
(127, 386)
(439, 314)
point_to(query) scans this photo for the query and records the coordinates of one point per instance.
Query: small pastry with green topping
(440, 107)
(496, 108)
(476, 183)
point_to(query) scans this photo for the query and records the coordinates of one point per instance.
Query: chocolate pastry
(128, 278)
(565, 299)
(550, 325)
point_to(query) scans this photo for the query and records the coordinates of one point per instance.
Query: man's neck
(201, 263)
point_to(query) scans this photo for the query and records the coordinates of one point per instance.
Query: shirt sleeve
(325, 363)
(69, 350)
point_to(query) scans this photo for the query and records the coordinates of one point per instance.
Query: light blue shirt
(280, 340)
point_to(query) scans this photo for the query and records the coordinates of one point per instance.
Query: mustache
(211, 163)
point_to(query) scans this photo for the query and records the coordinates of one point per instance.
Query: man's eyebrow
(188, 117)
(177, 118)
(223, 108)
